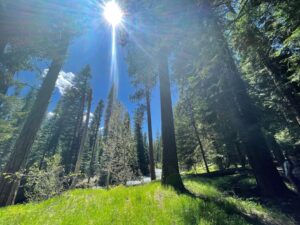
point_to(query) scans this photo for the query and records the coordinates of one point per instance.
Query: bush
(47, 182)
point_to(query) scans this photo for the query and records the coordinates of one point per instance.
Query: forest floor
(213, 201)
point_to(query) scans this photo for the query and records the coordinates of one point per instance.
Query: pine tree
(108, 110)
(93, 137)
(73, 104)
(118, 155)
(139, 141)
(143, 79)
(83, 135)
(26, 137)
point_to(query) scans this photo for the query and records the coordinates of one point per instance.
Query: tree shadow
(233, 186)
(228, 208)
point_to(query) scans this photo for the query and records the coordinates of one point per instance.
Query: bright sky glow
(113, 13)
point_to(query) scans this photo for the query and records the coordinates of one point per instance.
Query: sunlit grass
(201, 169)
(147, 204)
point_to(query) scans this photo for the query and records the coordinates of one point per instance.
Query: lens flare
(113, 13)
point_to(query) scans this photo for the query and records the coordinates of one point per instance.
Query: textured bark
(170, 170)
(21, 149)
(150, 138)
(244, 118)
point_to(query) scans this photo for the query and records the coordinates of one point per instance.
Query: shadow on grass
(229, 208)
(244, 186)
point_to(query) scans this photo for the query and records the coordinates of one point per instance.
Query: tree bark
(17, 160)
(150, 138)
(170, 169)
(245, 119)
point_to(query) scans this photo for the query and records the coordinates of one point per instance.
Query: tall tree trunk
(17, 160)
(245, 119)
(170, 169)
(150, 138)
(83, 137)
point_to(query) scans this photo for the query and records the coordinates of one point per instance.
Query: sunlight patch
(113, 13)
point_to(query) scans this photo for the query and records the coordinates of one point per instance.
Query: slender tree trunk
(17, 160)
(83, 137)
(245, 119)
(193, 122)
(170, 169)
(201, 147)
(150, 138)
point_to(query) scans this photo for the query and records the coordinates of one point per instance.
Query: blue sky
(94, 48)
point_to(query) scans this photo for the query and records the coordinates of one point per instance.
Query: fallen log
(221, 173)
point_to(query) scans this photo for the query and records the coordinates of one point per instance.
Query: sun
(113, 13)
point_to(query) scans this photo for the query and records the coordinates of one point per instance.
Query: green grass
(141, 205)
(201, 169)
(215, 191)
